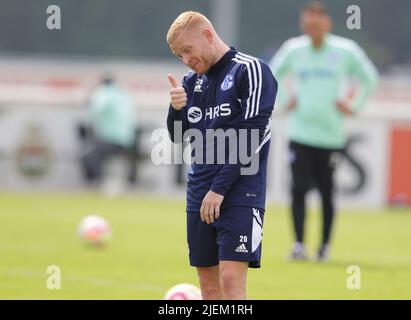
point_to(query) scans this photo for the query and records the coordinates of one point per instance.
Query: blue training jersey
(236, 95)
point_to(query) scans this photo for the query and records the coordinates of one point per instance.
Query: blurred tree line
(137, 28)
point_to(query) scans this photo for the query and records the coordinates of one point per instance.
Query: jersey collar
(220, 64)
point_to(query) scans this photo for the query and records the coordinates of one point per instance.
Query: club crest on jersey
(194, 114)
(227, 82)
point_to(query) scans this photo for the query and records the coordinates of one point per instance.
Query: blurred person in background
(113, 130)
(321, 64)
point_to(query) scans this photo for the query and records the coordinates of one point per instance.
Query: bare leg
(233, 278)
(209, 282)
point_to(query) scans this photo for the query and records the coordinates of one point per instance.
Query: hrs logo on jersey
(223, 110)
(195, 114)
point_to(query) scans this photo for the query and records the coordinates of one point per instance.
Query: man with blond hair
(225, 91)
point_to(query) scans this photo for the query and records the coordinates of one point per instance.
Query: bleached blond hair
(185, 21)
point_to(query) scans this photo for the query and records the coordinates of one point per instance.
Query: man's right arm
(280, 66)
(177, 113)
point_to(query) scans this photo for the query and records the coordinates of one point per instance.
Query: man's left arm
(258, 90)
(364, 70)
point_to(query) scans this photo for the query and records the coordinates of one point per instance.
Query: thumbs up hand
(177, 94)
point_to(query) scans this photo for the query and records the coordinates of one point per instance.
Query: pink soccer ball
(183, 291)
(94, 231)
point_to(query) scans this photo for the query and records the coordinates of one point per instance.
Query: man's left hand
(210, 207)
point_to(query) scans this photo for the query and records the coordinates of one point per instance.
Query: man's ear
(208, 35)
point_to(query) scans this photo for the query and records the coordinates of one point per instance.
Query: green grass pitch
(148, 251)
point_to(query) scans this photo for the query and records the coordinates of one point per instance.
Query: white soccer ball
(94, 231)
(183, 291)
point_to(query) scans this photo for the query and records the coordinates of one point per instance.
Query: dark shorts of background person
(235, 236)
(312, 167)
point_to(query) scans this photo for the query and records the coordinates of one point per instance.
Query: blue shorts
(236, 236)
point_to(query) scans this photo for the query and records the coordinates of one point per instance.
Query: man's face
(194, 48)
(314, 24)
